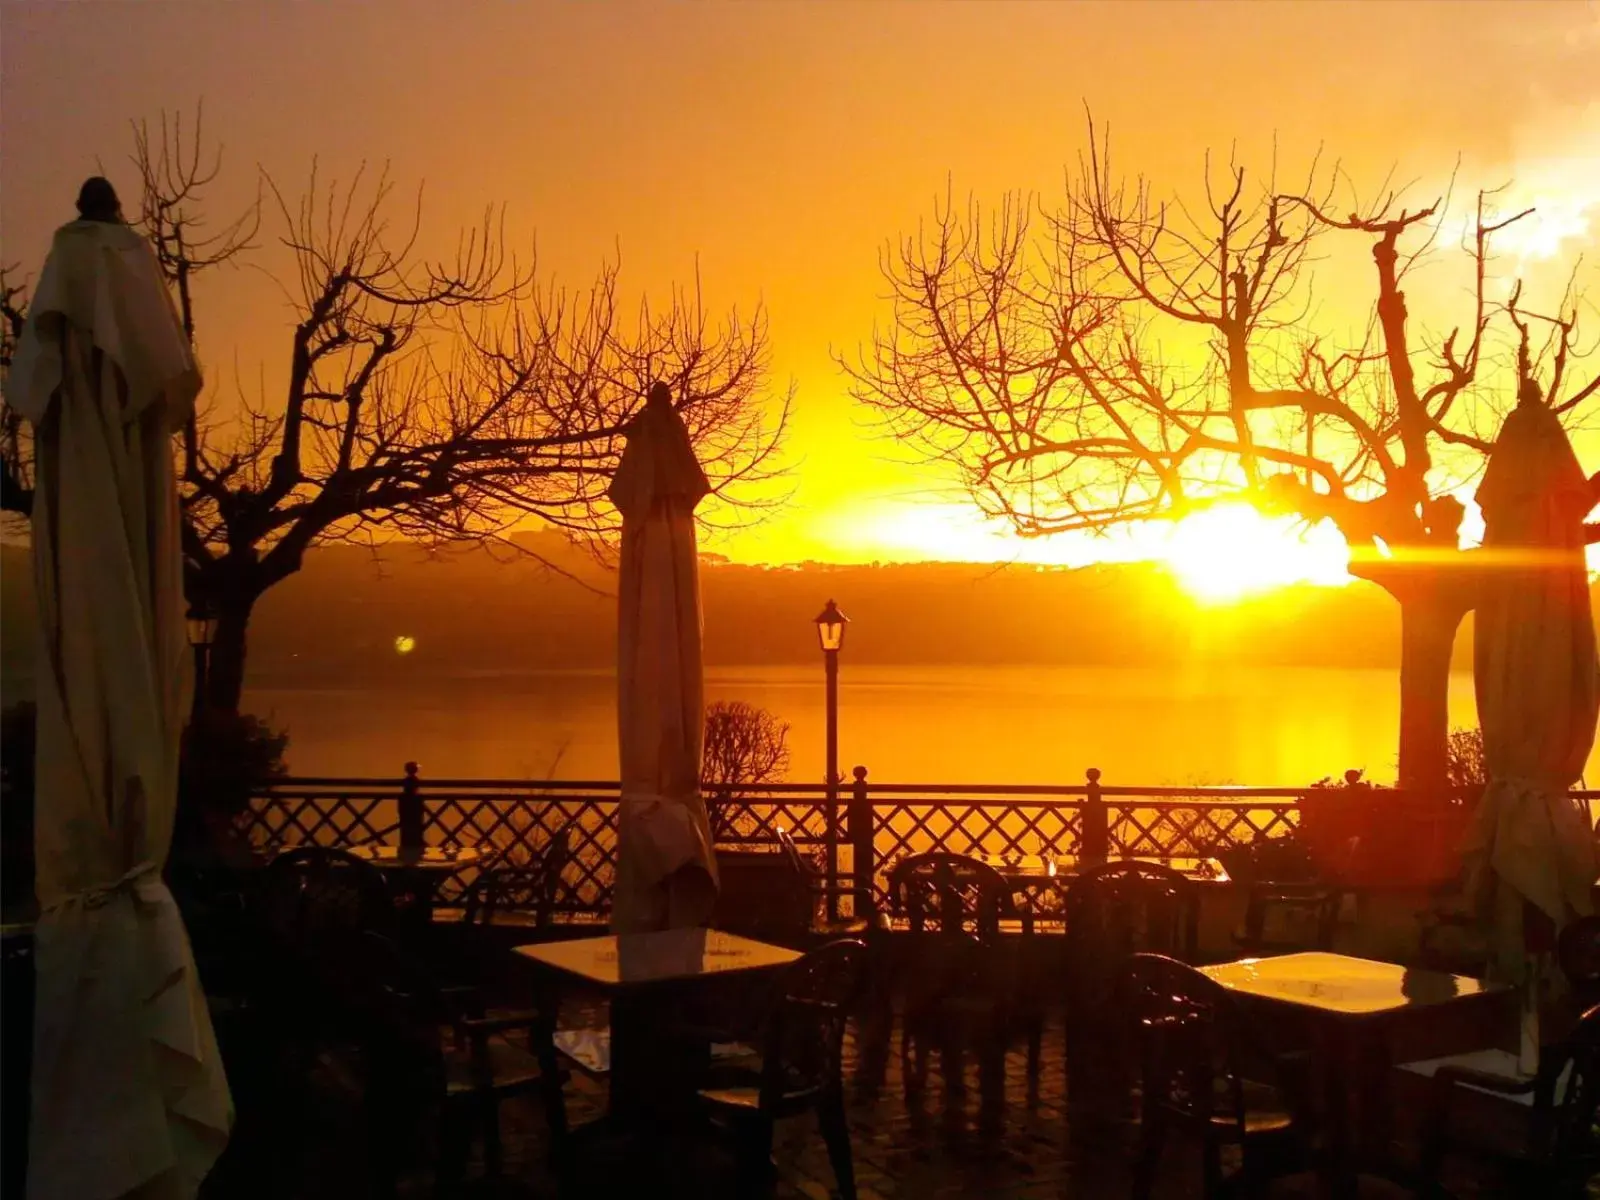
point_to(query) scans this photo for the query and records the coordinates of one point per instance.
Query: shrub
(226, 758)
(1466, 767)
(744, 745)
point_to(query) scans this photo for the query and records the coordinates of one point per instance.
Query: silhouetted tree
(1132, 360)
(16, 451)
(438, 400)
(1467, 766)
(744, 744)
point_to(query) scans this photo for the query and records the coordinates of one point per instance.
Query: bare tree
(1122, 360)
(427, 399)
(744, 745)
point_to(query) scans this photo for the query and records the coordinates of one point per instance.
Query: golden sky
(780, 145)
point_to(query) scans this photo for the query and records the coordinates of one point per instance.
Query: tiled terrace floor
(943, 1145)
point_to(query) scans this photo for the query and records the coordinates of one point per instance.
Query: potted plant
(1363, 834)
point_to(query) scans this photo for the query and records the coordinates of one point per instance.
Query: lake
(1200, 726)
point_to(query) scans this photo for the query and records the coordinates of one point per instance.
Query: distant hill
(469, 612)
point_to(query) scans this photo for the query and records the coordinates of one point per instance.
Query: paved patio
(946, 1143)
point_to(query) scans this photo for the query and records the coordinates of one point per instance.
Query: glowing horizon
(775, 150)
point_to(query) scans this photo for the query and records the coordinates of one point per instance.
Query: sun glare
(1232, 551)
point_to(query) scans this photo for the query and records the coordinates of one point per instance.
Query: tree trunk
(225, 663)
(1428, 625)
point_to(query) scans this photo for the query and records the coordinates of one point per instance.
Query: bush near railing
(857, 840)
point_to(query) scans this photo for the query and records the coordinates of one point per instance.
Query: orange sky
(782, 144)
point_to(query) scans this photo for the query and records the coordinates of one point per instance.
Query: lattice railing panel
(292, 818)
(1194, 826)
(518, 819)
(966, 825)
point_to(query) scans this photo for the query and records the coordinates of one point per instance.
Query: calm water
(919, 725)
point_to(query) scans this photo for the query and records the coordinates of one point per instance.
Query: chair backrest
(805, 1030)
(1119, 908)
(317, 896)
(1185, 1029)
(1567, 1100)
(1308, 915)
(532, 887)
(796, 860)
(1578, 951)
(948, 894)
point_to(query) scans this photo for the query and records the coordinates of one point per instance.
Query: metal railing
(855, 842)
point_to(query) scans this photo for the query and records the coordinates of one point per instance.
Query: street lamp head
(202, 625)
(830, 627)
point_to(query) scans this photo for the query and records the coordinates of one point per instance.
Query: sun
(1231, 551)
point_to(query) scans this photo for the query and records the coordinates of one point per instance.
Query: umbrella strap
(131, 883)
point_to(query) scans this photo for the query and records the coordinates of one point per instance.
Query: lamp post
(202, 632)
(830, 636)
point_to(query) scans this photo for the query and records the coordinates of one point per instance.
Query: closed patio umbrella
(129, 1095)
(1530, 853)
(666, 868)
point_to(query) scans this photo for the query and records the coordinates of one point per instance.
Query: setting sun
(1232, 550)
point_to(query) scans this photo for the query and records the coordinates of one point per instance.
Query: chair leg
(1152, 1135)
(555, 1104)
(755, 1157)
(1431, 1153)
(836, 1134)
(913, 1054)
(493, 1157)
(455, 1140)
(1211, 1156)
(952, 1057)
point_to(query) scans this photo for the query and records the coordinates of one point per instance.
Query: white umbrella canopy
(129, 1094)
(1538, 689)
(666, 866)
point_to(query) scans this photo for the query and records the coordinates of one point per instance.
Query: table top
(621, 960)
(1034, 866)
(1344, 986)
(428, 858)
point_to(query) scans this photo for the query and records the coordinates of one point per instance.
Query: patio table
(644, 975)
(416, 872)
(1356, 1010)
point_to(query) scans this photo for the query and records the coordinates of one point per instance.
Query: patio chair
(506, 902)
(1121, 908)
(956, 981)
(1281, 918)
(869, 927)
(313, 904)
(1114, 911)
(1550, 1118)
(799, 1069)
(859, 926)
(523, 894)
(1190, 1052)
(429, 1047)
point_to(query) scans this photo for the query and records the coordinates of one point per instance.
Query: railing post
(1096, 839)
(858, 819)
(411, 810)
